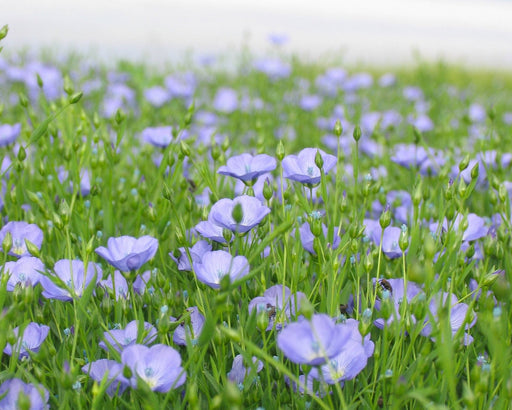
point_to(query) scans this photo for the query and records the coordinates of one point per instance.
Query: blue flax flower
(119, 339)
(11, 389)
(247, 167)
(31, 340)
(127, 253)
(302, 167)
(116, 382)
(158, 366)
(253, 211)
(26, 271)
(189, 331)
(217, 264)
(20, 232)
(314, 341)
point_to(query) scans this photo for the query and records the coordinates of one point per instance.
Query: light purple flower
(350, 361)
(119, 339)
(118, 285)
(394, 289)
(307, 237)
(276, 300)
(217, 264)
(38, 396)
(116, 382)
(314, 341)
(160, 137)
(226, 100)
(9, 133)
(210, 230)
(140, 282)
(21, 231)
(458, 313)
(31, 340)
(157, 96)
(247, 167)
(127, 253)
(26, 271)
(274, 68)
(189, 331)
(158, 366)
(253, 211)
(73, 277)
(310, 102)
(390, 239)
(196, 254)
(239, 372)
(302, 167)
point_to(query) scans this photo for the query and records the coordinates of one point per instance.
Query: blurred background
(384, 32)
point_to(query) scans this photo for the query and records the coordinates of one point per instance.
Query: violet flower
(196, 254)
(116, 382)
(276, 300)
(160, 137)
(158, 366)
(74, 278)
(20, 232)
(350, 361)
(117, 284)
(127, 253)
(394, 289)
(26, 271)
(458, 313)
(211, 230)
(31, 340)
(189, 331)
(119, 339)
(307, 237)
(302, 167)
(226, 100)
(247, 167)
(253, 211)
(313, 341)
(9, 133)
(157, 96)
(239, 372)
(217, 264)
(11, 389)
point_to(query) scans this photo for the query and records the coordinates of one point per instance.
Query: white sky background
(386, 32)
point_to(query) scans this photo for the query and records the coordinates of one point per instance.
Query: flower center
(310, 171)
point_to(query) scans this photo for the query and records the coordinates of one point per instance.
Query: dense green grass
(131, 195)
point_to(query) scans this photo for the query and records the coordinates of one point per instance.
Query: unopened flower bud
(225, 144)
(319, 161)
(237, 213)
(280, 151)
(3, 32)
(23, 100)
(462, 188)
(7, 242)
(403, 241)
(463, 164)
(306, 309)
(385, 217)
(338, 129)
(32, 248)
(120, 116)
(262, 320)
(357, 133)
(184, 148)
(78, 96)
(475, 170)
(267, 190)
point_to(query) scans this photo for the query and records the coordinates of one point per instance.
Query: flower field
(279, 234)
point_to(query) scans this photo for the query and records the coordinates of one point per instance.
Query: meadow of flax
(273, 235)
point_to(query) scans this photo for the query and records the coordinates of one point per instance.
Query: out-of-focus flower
(274, 68)
(350, 361)
(158, 366)
(247, 167)
(9, 133)
(74, 278)
(158, 136)
(157, 96)
(21, 231)
(314, 341)
(31, 340)
(127, 253)
(189, 331)
(38, 396)
(276, 300)
(239, 372)
(226, 100)
(96, 370)
(217, 264)
(119, 339)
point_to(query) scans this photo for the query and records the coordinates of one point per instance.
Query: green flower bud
(119, 117)
(7, 243)
(316, 227)
(462, 188)
(338, 129)
(280, 151)
(22, 154)
(474, 171)
(32, 248)
(417, 195)
(78, 96)
(262, 320)
(502, 193)
(3, 32)
(215, 152)
(68, 85)
(225, 144)
(319, 161)
(403, 241)
(184, 148)
(23, 100)
(267, 190)
(306, 309)
(39, 81)
(464, 163)
(385, 217)
(237, 213)
(357, 133)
